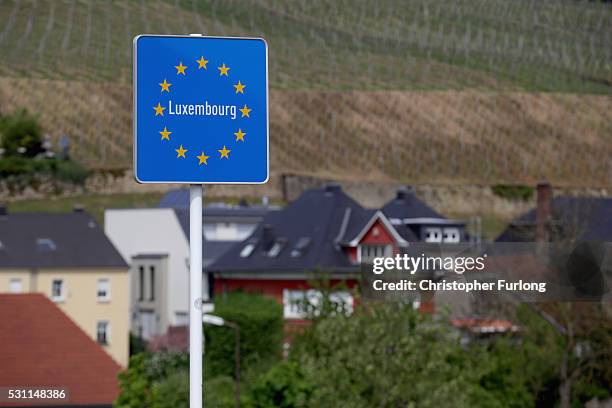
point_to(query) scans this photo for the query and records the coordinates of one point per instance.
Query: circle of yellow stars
(239, 87)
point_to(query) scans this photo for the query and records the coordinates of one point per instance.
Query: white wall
(154, 231)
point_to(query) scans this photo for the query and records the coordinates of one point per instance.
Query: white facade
(142, 233)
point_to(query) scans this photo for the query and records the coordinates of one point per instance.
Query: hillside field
(482, 91)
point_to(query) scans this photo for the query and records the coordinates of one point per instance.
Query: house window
(15, 285)
(141, 277)
(151, 282)
(103, 290)
(300, 304)
(451, 235)
(57, 290)
(103, 332)
(369, 252)
(433, 234)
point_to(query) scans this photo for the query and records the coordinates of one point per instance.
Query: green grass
(492, 225)
(95, 204)
(557, 45)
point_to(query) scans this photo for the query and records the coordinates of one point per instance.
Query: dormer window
(451, 235)
(433, 234)
(45, 245)
(301, 247)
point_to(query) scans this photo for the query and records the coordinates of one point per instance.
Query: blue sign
(200, 110)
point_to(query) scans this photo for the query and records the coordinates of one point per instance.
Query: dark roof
(41, 346)
(407, 205)
(39, 240)
(320, 219)
(586, 218)
(211, 250)
(179, 199)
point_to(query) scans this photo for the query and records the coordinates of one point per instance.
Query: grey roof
(589, 218)
(211, 250)
(179, 199)
(407, 205)
(320, 218)
(70, 240)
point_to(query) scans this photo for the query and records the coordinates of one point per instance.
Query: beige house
(68, 258)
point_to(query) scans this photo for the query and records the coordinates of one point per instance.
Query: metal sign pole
(195, 296)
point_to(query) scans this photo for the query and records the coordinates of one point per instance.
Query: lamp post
(219, 321)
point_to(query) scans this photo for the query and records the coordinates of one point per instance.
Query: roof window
(301, 247)
(248, 249)
(278, 246)
(45, 244)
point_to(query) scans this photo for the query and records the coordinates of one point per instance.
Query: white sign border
(134, 124)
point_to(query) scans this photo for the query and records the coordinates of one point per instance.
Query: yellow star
(159, 110)
(240, 135)
(239, 87)
(165, 134)
(224, 152)
(203, 158)
(165, 86)
(180, 68)
(180, 152)
(245, 111)
(223, 70)
(202, 63)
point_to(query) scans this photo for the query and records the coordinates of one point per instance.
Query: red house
(324, 233)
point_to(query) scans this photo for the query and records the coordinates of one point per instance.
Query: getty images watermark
(509, 271)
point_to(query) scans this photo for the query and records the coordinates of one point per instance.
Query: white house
(157, 250)
(155, 243)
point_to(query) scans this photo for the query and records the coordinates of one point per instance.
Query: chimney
(543, 211)
(404, 192)
(332, 188)
(267, 236)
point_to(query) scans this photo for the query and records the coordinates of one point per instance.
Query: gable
(377, 234)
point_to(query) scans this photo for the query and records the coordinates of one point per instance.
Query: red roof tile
(41, 346)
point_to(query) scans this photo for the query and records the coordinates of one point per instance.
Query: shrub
(21, 129)
(59, 169)
(513, 192)
(285, 385)
(261, 331)
(71, 171)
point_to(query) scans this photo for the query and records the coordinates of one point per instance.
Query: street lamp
(219, 321)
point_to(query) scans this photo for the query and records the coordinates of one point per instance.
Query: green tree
(149, 376)
(135, 384)
(261, 332)
(21, 130)
(172, 391)
(389, 355)
(284, 385)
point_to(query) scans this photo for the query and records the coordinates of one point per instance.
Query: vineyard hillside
(483, 91)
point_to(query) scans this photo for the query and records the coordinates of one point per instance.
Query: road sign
(200, 110)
